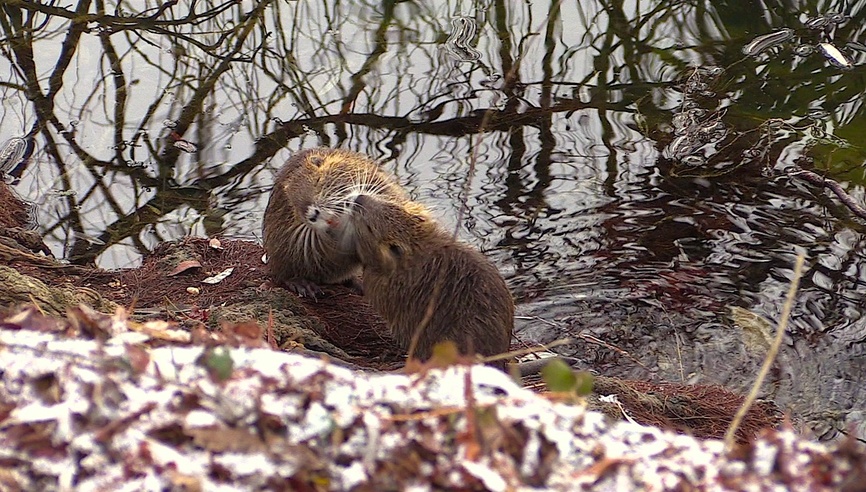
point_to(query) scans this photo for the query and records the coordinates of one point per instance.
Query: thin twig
(528, 350)
(587, 338)
(771, 354)
(835, 187)
(428, 315)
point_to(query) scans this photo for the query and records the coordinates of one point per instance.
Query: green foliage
(218, 362)
(559, 377)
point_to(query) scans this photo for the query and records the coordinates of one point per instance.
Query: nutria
(305, 227)
(414, 269)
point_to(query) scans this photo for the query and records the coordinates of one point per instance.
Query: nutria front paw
(304, 288)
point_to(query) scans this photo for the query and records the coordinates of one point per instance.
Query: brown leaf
(247, 331)
(272, 341)
(88, 321)
(200, 335)
(48, 389)
(187, 483)
(30, 318)
(601, 467)
(162, 330)
(138, 358)
(184, 266)
(5, 410)
(220, 440)
(105, 434)
(34, 439)
(11, 480)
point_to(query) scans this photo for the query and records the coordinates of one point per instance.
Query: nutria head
(317, 183)
(305, 230)
(387, 233)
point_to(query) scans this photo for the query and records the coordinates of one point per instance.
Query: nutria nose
(312, 213)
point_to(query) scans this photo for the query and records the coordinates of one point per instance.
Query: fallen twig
(835, 187)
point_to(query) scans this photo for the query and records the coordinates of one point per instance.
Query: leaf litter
(96, 404)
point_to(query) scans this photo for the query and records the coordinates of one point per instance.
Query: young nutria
(412, 266)
(305, 227)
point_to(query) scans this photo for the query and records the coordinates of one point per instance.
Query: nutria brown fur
(412, 266)
(305, 227)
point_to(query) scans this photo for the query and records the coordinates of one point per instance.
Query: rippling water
(625, 165)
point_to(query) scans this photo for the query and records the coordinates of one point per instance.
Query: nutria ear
(316, 160)
(416, 212)
(419, 218)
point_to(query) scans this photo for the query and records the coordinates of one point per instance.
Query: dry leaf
(200, 335)
(98, 325)
(186, 146)
(31, 319)
(218, 277)
(184, 266)
(186, 483)
(247, 329)
(220, 440)
(757, 330)
(162, 330)
(138, 358)
(11, 480)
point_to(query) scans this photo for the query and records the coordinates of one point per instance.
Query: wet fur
(410, 261)
(304, 247)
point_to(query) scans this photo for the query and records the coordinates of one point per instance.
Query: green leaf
(558, 376)
(584, 383)
(218, 362)
(445, 354)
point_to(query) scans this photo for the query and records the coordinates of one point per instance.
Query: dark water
(625, 165)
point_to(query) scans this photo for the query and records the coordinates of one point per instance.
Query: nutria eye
(397, 251)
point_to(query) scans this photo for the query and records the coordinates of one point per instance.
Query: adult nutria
(305, 227)
(414, 269)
